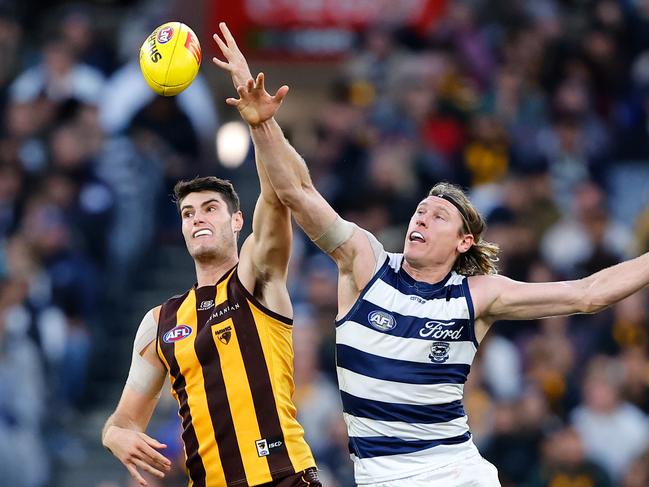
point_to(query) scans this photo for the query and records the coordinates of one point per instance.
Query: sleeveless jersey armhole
(469, 303)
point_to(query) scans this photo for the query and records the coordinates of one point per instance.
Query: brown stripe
(166, 322)
(260, 384)
(217, 398)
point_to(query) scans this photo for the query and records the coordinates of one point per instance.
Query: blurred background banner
(316, 30)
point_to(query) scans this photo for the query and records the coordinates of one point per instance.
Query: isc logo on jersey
(177, 333)
(381, 320)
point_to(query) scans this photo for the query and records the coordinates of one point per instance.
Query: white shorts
(475, 471)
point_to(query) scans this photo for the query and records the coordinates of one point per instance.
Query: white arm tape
(337, 234)
(143, 376)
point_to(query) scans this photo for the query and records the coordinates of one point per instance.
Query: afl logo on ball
(177, 333)
(165, 35)
(381, 320)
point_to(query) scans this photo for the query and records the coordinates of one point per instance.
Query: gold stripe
(222, 292)
(242, 408)
(191, 369)
(277, 342)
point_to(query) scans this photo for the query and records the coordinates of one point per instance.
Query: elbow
(291, 196)
(591, 301)
(589, 308)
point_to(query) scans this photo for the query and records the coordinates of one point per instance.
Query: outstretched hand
(255, 104)
(235, 63)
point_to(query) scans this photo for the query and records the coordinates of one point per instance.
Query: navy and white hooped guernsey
(403, 353)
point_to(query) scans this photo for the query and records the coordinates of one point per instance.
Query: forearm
(615, 283)
(285, 168)
(266, 188)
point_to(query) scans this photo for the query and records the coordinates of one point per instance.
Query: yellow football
(170, 58)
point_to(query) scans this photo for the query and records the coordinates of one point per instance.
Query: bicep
(146, 374)
(268, 248)
(505, 299)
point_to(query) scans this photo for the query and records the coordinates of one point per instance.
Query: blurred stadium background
(539, 107)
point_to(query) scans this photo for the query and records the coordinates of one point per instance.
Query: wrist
(263, 127)
(109, 432)
(241, 80)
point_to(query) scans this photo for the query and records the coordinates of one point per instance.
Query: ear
(237, 221)
(466, 243)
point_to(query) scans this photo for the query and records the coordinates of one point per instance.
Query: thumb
(281, 94)
(232, 101)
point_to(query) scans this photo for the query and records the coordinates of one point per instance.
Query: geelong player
(226, 345)
(409, 323)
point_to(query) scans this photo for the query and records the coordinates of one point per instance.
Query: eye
(188, 214)
(211, 208)
(440, 217)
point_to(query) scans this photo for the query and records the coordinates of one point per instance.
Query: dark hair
(208, 183)
(481, 258)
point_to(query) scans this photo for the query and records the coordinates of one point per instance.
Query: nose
(419, 222)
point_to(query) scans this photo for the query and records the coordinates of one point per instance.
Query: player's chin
(203, 252)
(414, 253)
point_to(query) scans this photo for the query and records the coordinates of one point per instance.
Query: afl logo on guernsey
(165, 35)
(381, 320)
(177, 333)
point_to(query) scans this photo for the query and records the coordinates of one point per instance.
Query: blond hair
(482, 257)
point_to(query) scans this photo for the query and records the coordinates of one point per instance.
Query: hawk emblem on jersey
(224, 334)
(381, 320)
(439, 352)
(177, 333)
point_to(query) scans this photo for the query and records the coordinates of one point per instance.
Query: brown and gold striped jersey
(230, 363)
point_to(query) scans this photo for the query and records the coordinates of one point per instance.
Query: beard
(205, 255)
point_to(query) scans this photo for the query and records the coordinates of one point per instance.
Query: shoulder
(155, 313)
(487, 281)
(485, 289)
(175, 299)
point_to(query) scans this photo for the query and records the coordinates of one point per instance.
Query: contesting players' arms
(349, 246)
(290, 178)
(123, 433)
(352, 249)
(265, 254)
(500, 298)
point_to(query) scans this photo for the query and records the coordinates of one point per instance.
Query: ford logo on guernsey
(381, 320)
(177, 333)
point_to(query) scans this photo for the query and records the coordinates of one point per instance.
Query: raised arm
(265, 253)
(348, 245)
(500, 298)
(123, 434)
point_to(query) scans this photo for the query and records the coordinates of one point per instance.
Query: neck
(209, 273)
(430, 274)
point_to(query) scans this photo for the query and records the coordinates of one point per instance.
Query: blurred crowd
(540, 108)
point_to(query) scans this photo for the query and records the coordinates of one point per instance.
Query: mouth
(203, 232)
(416, 237)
